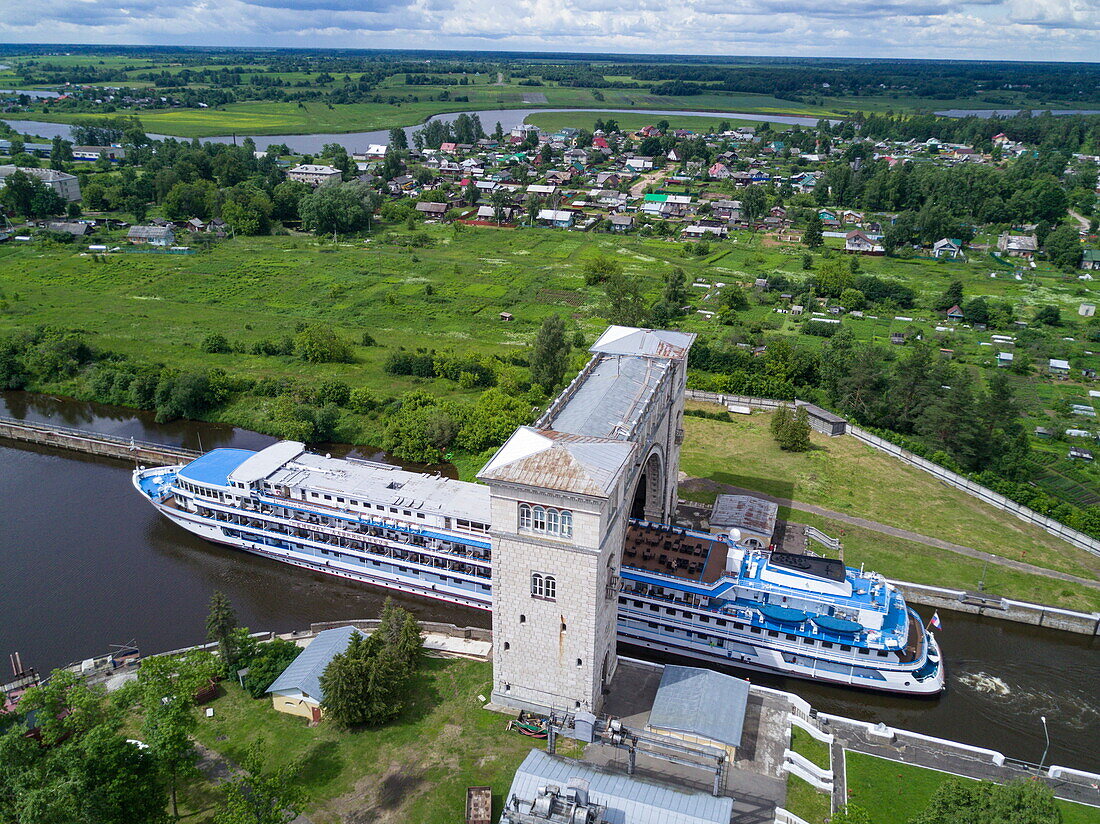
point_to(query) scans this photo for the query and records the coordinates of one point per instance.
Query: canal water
(359, 141)
(86, 564)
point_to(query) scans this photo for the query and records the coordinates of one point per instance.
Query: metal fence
(995, 499)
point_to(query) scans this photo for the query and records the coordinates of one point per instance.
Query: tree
(1063, 247)
(320, 344)
(550, 354)
(220, 623)
(267, 664)
(471, 194)
(258, 795)
(812, 236)
(791, 430)
(599, 268)
(962, 801)
(624, 303)
(952, 296)
(398, 138)
(833, 277)
(342, 207)
(753, 204)
(1048, 316)
(167, 729)
(675, 287)
(853, 299)
(61, 152)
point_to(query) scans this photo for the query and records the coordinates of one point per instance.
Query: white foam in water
(983, 682)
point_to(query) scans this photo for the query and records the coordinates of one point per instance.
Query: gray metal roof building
(701, 703)
(304, 673)
(628, 799)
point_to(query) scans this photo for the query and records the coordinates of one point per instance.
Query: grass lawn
(892, 792)
(809, 747)
(812, 806)
(909, 561)
(846, 476)
(416, 768)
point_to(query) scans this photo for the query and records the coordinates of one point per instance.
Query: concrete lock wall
(1038, 615)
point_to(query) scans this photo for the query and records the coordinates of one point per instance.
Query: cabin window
(524, 516)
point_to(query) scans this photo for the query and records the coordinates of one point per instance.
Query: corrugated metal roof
(612, 398)
(304, 672)
(629, 799)
(267, 460)
(701, 702)
(745, 511)
(629, 340)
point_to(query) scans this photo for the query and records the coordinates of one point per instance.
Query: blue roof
(629, 799)
(304, 672)
(215, 466)
(701, 702)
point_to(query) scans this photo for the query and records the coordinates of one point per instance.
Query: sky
(1062, 30)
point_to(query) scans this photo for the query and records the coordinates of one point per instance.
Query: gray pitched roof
(557, 460)
(629, 799)
(304, 672)
(701, 702)
(629, 340)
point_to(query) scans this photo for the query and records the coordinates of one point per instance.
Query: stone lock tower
(607, 449)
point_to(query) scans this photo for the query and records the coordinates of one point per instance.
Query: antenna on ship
(199, 434)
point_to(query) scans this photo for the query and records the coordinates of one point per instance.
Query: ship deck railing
(370, 520)
(244, 520)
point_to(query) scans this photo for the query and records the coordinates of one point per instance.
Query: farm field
(553, 121)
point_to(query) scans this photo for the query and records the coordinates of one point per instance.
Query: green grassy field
(843, 475)
(268, 117)
(892, 792)
(416, 768)
(552, 121)
(806, 745)
(811, 805)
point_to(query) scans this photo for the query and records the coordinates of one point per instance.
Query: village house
(1024, 246)
(621, 223)
(314, 174)
(857, 243)
(559, 218)
(948, 248)
(955, 313)
(151, 236)
(1090, 259)
(432, 210)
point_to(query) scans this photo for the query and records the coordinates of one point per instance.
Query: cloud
(982, 29)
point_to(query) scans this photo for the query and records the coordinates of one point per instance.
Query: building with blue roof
(298, 690)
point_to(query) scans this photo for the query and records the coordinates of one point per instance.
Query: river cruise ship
(681, 591)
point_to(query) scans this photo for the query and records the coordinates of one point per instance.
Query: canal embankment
(93, 443)
(993, 606)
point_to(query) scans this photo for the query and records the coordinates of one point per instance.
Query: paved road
(894, 531)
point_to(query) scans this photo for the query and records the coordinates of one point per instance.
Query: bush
(215, 344)
(319, 344)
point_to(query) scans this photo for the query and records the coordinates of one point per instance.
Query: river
(358, 141)
(87, 563)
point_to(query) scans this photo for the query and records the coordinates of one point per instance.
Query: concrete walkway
(905, 534)
(921, 752)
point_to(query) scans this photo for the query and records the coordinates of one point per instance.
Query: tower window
(538, 517)
(566, 524)
(522, 618)
(543, 586)
(524, 516)
(507, 646)
(580, 663)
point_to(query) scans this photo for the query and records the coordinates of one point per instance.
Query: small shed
(955, 313)
(700, 706)
(1080, 454)
(297, 690)
(506, 316)
(745, 518)
(1058, 366)
(1005, 358)
(824, 421)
